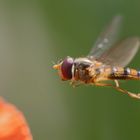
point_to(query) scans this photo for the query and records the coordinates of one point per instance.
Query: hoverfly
(106, 61)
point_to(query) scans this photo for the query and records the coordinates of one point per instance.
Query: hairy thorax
(90, 72)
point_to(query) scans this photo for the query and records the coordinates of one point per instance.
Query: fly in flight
(106, 61)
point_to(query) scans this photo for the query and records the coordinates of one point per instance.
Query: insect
(106, 61)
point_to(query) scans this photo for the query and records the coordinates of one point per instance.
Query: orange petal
(13, 125)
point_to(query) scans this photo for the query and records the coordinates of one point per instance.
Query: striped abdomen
(124, 73)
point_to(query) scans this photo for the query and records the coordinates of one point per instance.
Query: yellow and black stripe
(124, 73)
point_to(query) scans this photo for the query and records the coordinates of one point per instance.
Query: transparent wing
(106, 39)
(122, 53)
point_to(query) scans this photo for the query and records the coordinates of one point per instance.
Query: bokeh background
(33, 35)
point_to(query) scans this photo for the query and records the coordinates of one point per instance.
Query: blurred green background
(33, 34)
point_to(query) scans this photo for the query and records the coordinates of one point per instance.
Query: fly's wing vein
(106, 39)
(122, 53)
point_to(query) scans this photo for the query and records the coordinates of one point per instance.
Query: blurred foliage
(35, 33)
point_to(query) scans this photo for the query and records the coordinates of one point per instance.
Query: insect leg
(133, 95)
(117, 83)
(75, 83)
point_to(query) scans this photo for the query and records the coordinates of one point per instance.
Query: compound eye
(66, 68)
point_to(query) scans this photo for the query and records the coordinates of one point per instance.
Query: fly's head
(65, 68)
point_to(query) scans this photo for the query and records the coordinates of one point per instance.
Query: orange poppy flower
(13, 125)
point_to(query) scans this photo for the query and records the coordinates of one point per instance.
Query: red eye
(66, 68)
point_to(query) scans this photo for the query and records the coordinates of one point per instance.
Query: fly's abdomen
(124, 73)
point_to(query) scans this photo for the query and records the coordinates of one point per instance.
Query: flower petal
(13, 125)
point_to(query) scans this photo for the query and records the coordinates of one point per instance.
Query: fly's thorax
(97, 69)
(80, 69)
